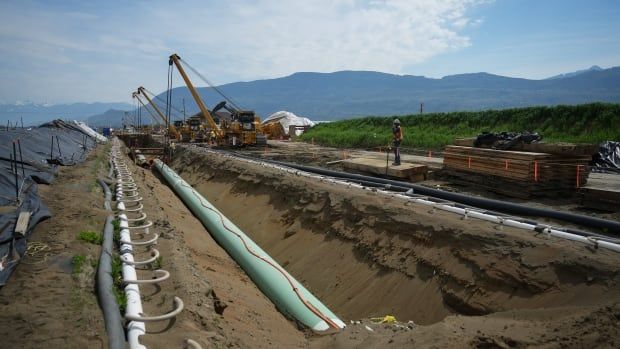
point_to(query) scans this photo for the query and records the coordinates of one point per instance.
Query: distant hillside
(578, 72)
(110, 118)
(587, 123)
(35, 114)
(346, 94)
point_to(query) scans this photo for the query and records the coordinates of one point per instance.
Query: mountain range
(347, 94)
(34, 114)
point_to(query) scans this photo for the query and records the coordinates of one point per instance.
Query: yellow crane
(172, 131)
(155, 120)
(206, 115)
(238, 132)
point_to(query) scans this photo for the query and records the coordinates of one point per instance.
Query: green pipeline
(270, 277)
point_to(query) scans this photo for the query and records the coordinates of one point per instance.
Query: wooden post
(535, 171)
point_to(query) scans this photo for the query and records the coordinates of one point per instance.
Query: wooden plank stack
(602, 192)
(517, 173)
(407, 171)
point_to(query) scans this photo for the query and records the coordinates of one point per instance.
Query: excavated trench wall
(365, 254)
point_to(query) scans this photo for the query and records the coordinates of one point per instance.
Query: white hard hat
(396, 121)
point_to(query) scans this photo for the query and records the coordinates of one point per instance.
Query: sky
(100, 51)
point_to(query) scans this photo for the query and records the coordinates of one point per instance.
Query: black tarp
(608, 158)
(40, 164)
(506, 140)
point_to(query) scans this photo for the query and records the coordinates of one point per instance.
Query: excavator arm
(206, 115)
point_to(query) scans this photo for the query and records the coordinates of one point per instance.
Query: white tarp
(99, 137)
(287, 119)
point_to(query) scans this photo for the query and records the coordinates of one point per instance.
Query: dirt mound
(366, 254)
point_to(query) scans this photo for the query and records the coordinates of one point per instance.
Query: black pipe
(610, 226)
(16, 179)
(105, 287)
(409, 192)
(58, 145)
(21, 158)
(106, 192)
(11, 161)
(52, 149)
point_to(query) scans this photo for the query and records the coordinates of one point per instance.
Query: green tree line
(586, 123)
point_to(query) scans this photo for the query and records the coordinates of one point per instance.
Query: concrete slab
(409, 171)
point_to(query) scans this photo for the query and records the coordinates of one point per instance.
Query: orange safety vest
(398, 133)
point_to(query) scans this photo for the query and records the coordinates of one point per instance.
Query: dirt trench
(365, 254)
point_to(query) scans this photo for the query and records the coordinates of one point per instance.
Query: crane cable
(150, 112)
(162, 101)
(209, 83)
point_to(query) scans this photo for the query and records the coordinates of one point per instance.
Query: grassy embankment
(586, 123)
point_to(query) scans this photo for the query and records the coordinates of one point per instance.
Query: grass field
(586, 123)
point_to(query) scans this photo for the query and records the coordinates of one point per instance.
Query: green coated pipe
(289, 296)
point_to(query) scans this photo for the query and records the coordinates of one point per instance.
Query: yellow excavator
(172, 131)
(241, 131)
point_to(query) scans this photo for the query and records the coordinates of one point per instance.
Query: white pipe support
(145, 226)
(191, 344)
(130, 200)
(140, 218)
(178, 303)
(132, 291)
(159, 276)
(153, 241)
(154, 256)
(133, 208)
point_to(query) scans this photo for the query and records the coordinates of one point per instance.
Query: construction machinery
(172, 130)
(243, 129)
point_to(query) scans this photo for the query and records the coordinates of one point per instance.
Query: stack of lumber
(516, 173)
(560, 149)
(407, 171)
(602, 192)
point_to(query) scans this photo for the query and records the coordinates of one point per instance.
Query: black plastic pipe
(16, 175)
(52, 149)
(21, 158)
(105, 285)
(609, 226)
(409, 192)
(106, 192)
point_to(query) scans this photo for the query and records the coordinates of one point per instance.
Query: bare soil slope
(366, 254)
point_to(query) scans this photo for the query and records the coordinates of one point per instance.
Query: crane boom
(136, 96)
(206, 115)
(173, 131)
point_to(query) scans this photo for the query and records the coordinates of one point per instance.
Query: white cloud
(227, 41)
(271, 38)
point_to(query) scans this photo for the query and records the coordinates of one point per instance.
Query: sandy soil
(367, 255)
(45, 302)
(449, 282)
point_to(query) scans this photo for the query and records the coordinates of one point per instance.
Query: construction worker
(212, 137)
(397, 132)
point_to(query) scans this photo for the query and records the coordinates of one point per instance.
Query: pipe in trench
(105, 293)
(612, 227)
(289, 296)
